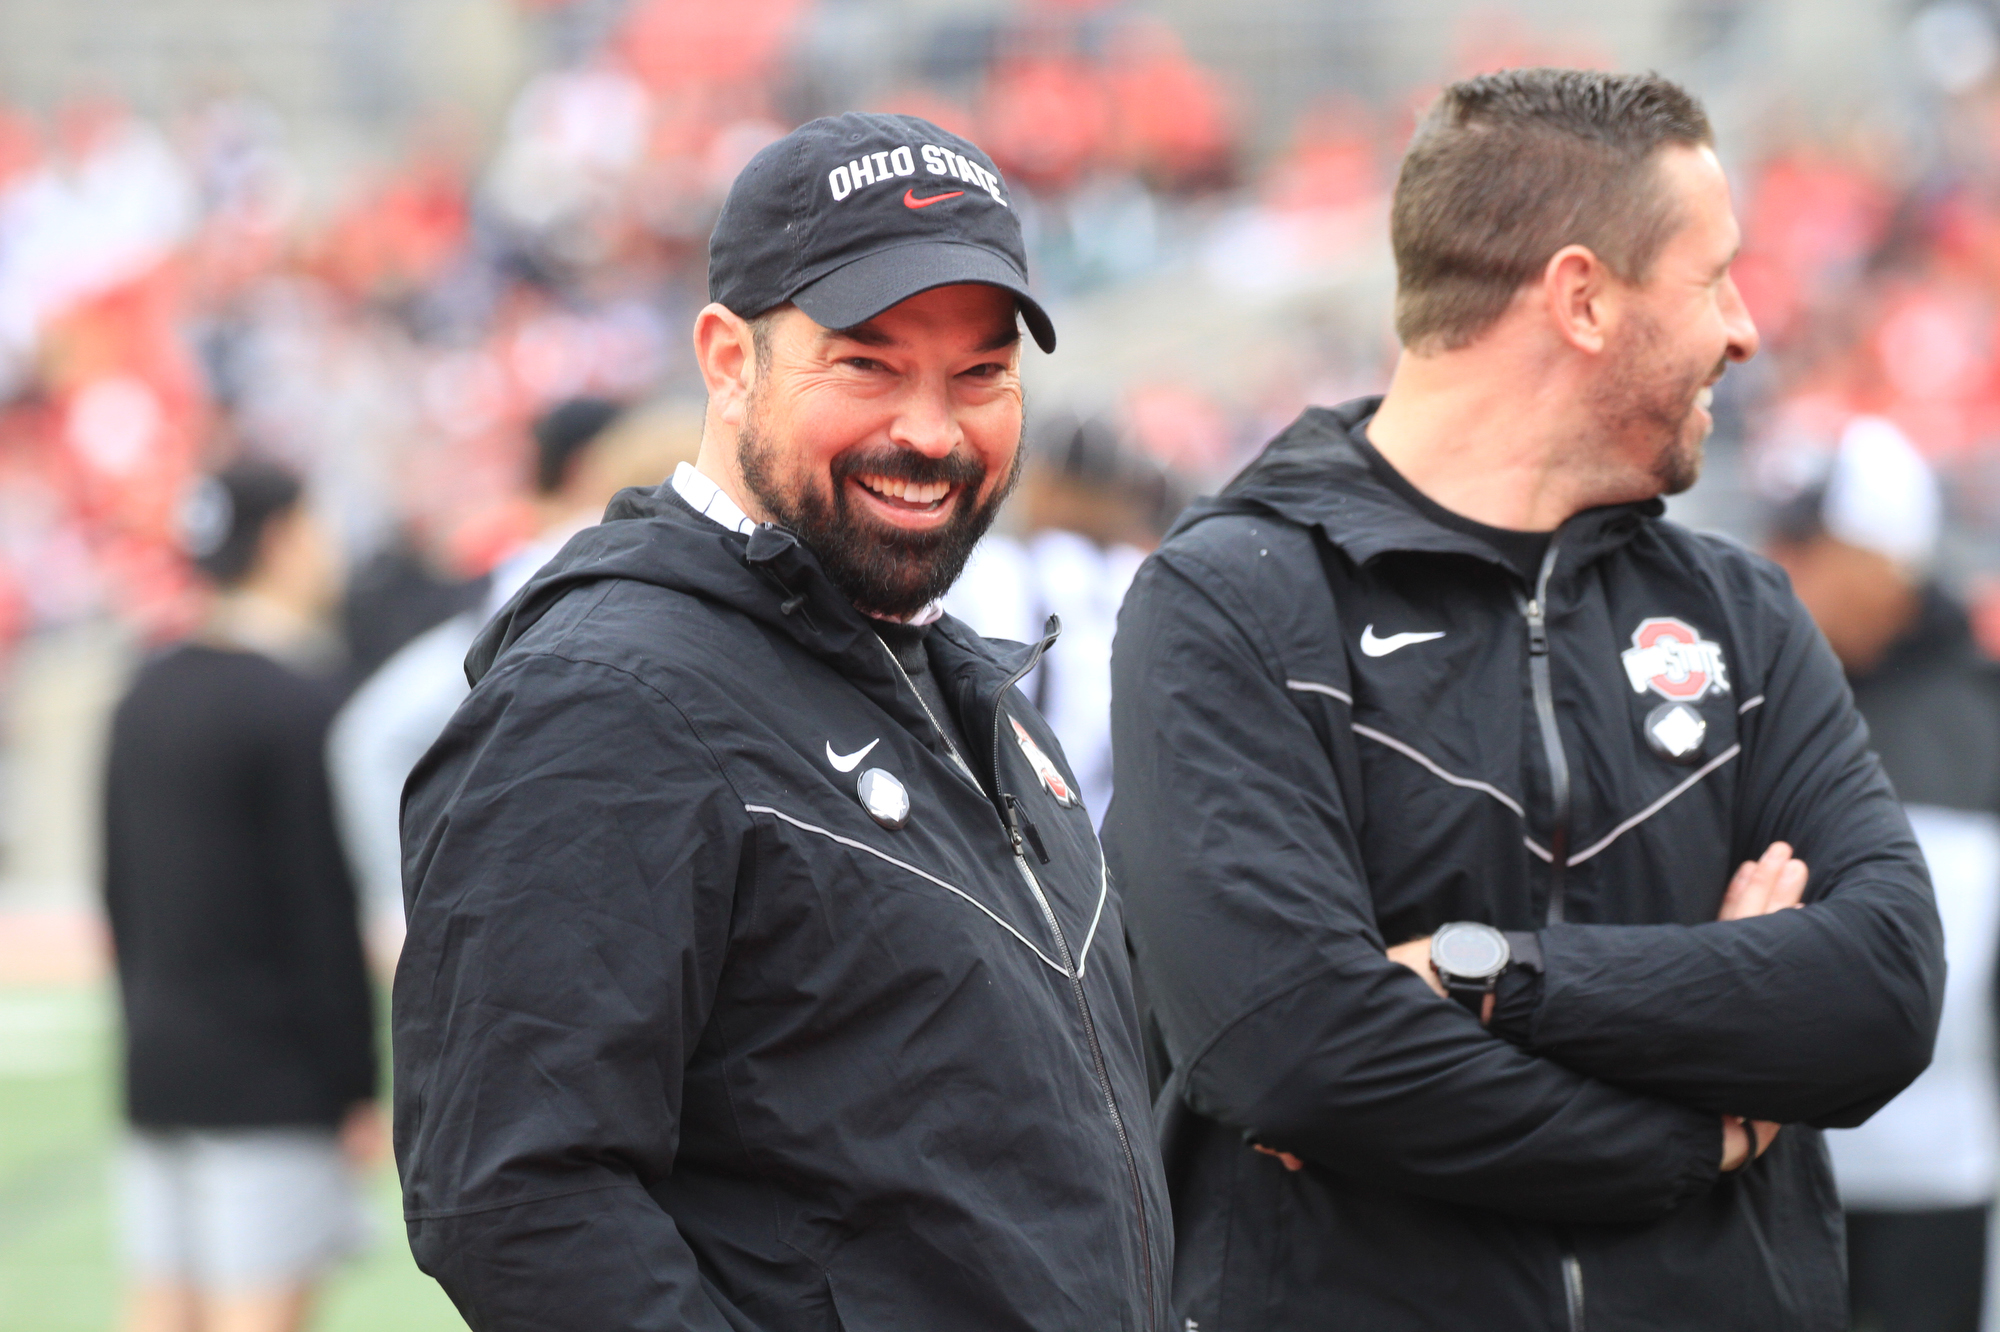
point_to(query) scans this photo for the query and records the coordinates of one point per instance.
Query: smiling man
(763, 971)
(1458, 796)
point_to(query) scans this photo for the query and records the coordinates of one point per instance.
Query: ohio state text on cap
(848, 215)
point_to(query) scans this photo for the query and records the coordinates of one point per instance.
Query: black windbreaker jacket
(684, 1039)
(1298, 787)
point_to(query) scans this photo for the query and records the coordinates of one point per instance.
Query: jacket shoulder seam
(1237, 608)
(643, 683)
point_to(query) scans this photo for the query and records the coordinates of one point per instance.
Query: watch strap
(1472, 998)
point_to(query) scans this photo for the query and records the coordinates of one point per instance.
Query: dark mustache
(955, 468)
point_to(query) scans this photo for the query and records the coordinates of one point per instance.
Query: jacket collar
(1314, 474)
(768, 575)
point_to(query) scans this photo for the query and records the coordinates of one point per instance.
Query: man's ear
(726, 350)
(1577, 290)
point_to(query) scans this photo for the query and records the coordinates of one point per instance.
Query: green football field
(58, 1129)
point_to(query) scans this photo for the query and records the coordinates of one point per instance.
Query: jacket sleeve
(1255, 936)
(572, 853)
(1819, 1015)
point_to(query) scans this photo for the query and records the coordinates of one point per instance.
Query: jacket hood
(1314, 474)
(651, 535)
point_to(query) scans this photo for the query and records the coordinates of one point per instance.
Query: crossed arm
(1776, 881)
(1815, 1016)
(1284, 1015)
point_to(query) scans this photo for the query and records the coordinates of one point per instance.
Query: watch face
(1470, 952)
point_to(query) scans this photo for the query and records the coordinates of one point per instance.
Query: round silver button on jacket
(1675, 732)
(884, 798)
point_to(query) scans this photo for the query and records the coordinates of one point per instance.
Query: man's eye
(987, 371)
(865, 363)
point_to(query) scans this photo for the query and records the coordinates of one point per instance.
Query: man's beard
(1657, 405)
(883, 571)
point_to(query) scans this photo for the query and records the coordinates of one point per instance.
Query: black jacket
(684, 1039)
(1933, 710)
(245, 997)
(1298, 788)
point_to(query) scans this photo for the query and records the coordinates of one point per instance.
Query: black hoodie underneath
(685, 1039)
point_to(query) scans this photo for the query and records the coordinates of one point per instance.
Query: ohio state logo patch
(1044, 769)
(1668, 657)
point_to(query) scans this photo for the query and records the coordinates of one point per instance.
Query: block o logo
(1668, 657)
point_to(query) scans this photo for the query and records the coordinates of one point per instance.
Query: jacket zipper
(1012, 819)
(943, 734)
(1535, 611)
(1006, 805)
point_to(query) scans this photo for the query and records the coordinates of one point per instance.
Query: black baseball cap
(848, 215)
(223, 518)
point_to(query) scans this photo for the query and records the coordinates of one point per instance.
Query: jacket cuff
(1515, 1000)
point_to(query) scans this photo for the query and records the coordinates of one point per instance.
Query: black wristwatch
(1469, 957)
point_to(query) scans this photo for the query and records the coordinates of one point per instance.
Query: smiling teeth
(910, 492)
(1705, 399)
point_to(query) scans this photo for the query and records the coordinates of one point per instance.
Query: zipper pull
(1017, 823)
(1538, 630)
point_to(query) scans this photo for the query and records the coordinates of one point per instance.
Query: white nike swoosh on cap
(1382, 647)
(847, 762)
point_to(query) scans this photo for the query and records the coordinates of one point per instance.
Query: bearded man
(1461, 798)
(762, 970)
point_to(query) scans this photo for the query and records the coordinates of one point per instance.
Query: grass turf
(58, 1133)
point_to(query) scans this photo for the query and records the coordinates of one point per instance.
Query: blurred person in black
(388, 723)
(394, 595)
(1856, 527)
(249, 1059)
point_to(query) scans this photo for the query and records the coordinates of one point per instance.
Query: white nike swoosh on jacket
(1382, 647)
(847, 762)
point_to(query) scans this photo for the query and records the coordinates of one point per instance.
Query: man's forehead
(1703, 188)
(1696, 171)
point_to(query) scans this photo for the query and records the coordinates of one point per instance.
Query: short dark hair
(1506, 169)
(225, 516)
(564, 431)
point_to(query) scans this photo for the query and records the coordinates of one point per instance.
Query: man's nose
(1743, 338)
(925, 422)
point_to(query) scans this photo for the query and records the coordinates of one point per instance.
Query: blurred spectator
(586, 450)
(249, 1057)
(394, 596)
(1170, 120)
(1088, 512)
(1857, 527)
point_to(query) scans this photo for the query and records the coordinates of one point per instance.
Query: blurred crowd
(461, 355)
(169, 301)
(173, 294)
